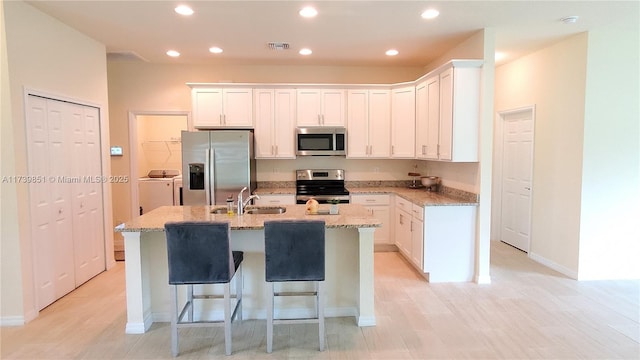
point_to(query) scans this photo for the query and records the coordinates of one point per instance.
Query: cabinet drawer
(403, 204)
(370, 199)
(417, 212)
(267, 200)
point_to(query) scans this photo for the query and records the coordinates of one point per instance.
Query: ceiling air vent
(278, 45)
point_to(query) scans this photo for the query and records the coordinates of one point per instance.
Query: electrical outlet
(376, 169)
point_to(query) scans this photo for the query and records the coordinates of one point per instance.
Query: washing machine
(156, 189)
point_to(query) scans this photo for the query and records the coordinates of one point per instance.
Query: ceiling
(355, 33)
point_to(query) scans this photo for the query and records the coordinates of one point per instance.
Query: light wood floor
(528, 311)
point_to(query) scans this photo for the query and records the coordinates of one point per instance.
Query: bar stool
(294, 251)
(200, 253)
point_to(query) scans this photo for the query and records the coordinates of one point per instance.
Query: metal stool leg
(269, 317)
(321, 314)
(174, 320)
(239, 285)
(227, 319)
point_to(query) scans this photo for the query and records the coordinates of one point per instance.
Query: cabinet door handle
(319, 120)
(393, 150)
(323, 119)
(276, 149)
(370, 200)
(411, 226)
(401, 222)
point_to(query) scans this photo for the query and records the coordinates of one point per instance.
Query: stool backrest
(199, 252)
(294, 250)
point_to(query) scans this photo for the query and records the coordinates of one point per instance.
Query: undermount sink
(219, 211)
(266, 210)
(255, 210)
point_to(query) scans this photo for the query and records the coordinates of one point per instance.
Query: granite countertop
(349, 216)
(419, 197)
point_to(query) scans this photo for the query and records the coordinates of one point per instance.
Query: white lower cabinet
(449, 243)
(275, 200)
(409, 230)
(437, 240)
(378, 206)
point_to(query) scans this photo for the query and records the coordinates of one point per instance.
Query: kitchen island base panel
(349, 279)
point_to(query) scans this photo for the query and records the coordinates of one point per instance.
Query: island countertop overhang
(349, 216)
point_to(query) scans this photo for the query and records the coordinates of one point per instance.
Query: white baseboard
(552, 265)
(139, 328)
(486, 279)
(11, 321)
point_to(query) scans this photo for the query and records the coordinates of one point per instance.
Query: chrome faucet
(241, 203)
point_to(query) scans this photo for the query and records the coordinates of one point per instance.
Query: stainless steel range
(322, 185)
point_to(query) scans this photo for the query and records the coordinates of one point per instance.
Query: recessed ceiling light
(215, 50)
(430, 14)
(569, 19)
(392, 52)
(308, 12)
(184, 10)
(305, 51)
(499, 56)
(173, 53)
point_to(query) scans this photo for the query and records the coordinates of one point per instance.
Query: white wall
(45, 55)
(610, 196)
(553, 79)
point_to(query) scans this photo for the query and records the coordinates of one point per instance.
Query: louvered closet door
(89, 253)
(50, 205)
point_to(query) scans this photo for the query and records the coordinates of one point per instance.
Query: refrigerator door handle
(207, 177)
(212, 175)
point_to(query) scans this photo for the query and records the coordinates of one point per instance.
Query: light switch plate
(116, 151)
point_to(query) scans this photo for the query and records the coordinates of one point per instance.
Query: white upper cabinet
(222, 107)
(275, 123)
(448, 111)
(321, 107)
(403, 122)
(421, 119)
(459, 112)
(368, 123)
(427, 118)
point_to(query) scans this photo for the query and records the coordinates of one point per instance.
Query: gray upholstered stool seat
(200, 253)
(295, 251)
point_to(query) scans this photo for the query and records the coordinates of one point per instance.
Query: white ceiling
(343, 33)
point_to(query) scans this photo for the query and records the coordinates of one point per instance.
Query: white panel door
(49, 200)
(95, 202)
(433, 117)
(265, 130)
(379, 123)
(87, 193)
(308, 107)
(445, 138)
(237, 107)
(358, 124)
(333, 107)
(285, 123)
(516, 179)
(421, 120)
(403, 122)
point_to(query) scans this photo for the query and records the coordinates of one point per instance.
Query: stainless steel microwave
(319, 141)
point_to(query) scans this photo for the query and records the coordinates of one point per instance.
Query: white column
(136, 272)
(366, 310)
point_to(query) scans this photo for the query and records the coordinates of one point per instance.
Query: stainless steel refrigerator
(217, 164)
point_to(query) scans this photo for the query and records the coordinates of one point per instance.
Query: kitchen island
(349, 263)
